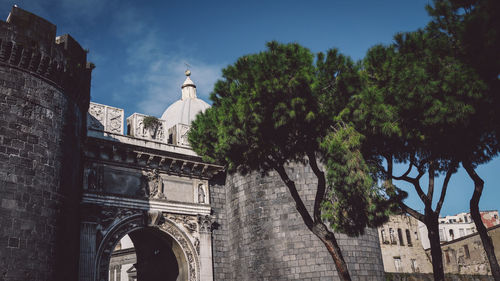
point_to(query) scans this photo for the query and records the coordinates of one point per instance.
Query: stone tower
(261, 236)
(44, 97)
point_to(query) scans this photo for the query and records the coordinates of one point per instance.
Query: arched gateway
(161, 232)
(150, 186)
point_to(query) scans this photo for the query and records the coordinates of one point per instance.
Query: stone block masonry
(44, 94)
(264, 237)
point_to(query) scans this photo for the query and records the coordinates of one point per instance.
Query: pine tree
(277, 107)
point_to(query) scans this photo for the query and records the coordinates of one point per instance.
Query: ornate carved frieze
(188, 222)
(183, 135)
(188, 248)
(105, 118)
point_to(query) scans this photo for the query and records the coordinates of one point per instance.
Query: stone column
(87, 251)
(206, 272)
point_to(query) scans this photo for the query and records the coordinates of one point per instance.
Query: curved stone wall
(267, 239)
(44, 94)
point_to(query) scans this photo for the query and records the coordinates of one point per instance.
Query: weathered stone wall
(221, 269)
(266, 238)
(429, 277)
(43, 98)
(466, 255)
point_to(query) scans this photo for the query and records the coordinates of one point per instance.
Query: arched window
(400, 236)
(408, 237)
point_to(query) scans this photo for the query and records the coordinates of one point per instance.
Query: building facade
(466, 255)
(458, 226)
(401, 246)
(75, 185)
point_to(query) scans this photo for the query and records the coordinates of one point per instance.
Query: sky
(142, 48)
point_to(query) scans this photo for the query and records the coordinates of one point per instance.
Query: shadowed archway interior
(158, 257)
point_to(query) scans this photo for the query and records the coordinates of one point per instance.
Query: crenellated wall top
(29, 43)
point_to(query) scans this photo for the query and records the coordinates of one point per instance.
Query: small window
(392, 237)
(397, 264)
(408, 237)
(382, 235)
(441, 235)
(400, 236)
(447, 255)
(414, 265)
(466, 250)
(452, 235)
(465, 218)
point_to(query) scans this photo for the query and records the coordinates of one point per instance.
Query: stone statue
(201, 194)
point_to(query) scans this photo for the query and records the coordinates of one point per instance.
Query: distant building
(458, 226)
(466, 255)
(401, 247)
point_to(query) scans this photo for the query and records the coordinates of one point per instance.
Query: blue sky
(140, 48)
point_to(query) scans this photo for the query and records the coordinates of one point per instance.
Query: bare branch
(450, 171)
(412, 212)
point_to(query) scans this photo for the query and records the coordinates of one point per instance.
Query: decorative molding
(145, 204)
(188, 248)
(123, 154)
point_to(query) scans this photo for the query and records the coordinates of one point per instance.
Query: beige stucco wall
(396, 251)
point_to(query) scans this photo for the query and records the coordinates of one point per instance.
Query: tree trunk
(328, 238)
(317, 227)
(476, 216)
(432, 224)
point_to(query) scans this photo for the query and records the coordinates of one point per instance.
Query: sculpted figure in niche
(94, 178)
(201, 194)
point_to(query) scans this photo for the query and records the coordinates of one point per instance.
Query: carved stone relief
(188, 222)
(187, 247)
(96, 118)
(183, 135)
(105, 118)
(114, 120)
(205, 223)
(152, 185)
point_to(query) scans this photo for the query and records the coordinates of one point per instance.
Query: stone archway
(181, 246)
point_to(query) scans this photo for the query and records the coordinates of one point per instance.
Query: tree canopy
(280, 106)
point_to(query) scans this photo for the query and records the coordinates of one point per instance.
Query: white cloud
(158, 69)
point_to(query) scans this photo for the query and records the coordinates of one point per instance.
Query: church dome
(184, 110)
